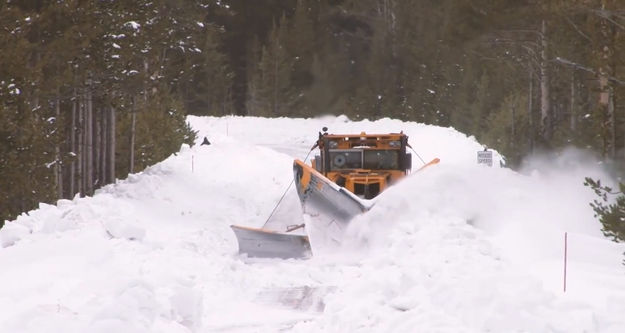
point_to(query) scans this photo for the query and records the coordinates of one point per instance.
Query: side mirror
(408, 161)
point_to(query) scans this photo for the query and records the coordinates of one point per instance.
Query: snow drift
(458, 247)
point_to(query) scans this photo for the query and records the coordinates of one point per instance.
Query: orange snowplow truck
(364, 164)
(349, 170)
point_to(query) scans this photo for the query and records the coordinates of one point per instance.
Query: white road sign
(485, 157)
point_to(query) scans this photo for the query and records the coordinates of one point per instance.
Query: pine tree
(611, 212)
(506, 127)
(275, 94)
(27, 144)
(301, 44)
(209, 92)
(72, 74)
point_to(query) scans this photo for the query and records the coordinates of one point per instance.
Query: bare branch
(607, 15)
(587, 69)
(577, 29)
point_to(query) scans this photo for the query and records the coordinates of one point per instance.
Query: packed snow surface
(456, 247)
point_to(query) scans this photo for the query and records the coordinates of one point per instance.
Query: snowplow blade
(323, 199)
(262, 243)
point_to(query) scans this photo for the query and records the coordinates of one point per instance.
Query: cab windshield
(381, 159)
(378, 159)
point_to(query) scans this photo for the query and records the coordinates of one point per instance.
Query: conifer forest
(92, 90)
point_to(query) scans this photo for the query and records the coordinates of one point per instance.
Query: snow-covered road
(456, 248)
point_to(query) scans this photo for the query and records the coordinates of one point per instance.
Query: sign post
(485, 157)
(565, 254)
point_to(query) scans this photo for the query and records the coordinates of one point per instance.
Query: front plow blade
(323, 199)
(262, 243)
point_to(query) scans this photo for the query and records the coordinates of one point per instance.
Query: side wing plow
(263, 243)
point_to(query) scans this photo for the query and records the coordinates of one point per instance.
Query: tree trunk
(111, 146)
(545, 107)
(606, 94)
(89, 141)
(81, 147)
(275, 86)
(96, 148)
(58, 167)
(612, 123)
(530, 117)
(103, 131)
(133, 120)
(72, 143)
(572, 112)
(513, 129)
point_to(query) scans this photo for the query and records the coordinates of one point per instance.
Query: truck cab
(364, 164)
